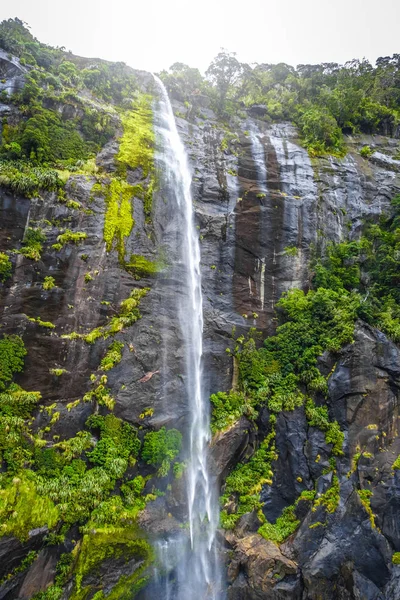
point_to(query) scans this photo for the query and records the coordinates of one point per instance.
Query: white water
(258, 155)
(196, 576)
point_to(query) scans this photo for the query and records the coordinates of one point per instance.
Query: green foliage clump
(117, 445)
(39, 321)
(317, 416)
(5, 267)
(228, 407)
(321, 133)
(396, 464)
(365, 497)
(161, 447)
(330, 499)
(112, 357)
(12, 353)
(26, 179)
(69, 237)
(291, 250)
(366, 151)
(396, 558)
(284, 526)
(243, 485)
(49, 283)
(32, 244)
(100, 394)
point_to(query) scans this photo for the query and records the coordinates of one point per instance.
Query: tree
(224, 72)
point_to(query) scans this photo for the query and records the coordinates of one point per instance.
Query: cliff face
(248, 223)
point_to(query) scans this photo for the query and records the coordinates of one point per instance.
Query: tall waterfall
(197, 574)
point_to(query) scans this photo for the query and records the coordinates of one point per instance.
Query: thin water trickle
(258, 155)
(196, 572)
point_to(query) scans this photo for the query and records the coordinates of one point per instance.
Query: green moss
(25, 563)
(118, 220)
(5, 267)
(110, 542)
(113, 356)
(100, 394)
(137, 143)
(365, 497)
(39, 321)
(137, 146)
(23, 509)
(49, 283)
(140, 266)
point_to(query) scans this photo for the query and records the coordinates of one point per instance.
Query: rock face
(246, 228)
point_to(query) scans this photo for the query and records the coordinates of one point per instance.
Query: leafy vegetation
(49, 283)
(113, 356)
(12, 353)
(32, 244)
(5, 267)
(161, 447)
(286, 523)
(69, 237)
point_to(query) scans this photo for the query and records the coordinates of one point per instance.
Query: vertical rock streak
(197, 572)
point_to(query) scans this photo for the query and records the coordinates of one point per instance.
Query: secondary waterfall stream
(195, 562)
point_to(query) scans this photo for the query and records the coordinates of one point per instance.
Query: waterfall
(197, 574)
(258, 155)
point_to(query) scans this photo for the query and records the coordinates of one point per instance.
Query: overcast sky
(153, 34)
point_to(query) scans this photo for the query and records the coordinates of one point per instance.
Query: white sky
(153, 34)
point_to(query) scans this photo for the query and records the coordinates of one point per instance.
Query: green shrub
(32, 244)
(69, 237)
(49, 283)
(12, 353)
(161, 447)
(284, 526)
(366, 151)
(396, 558)
(5, 267)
